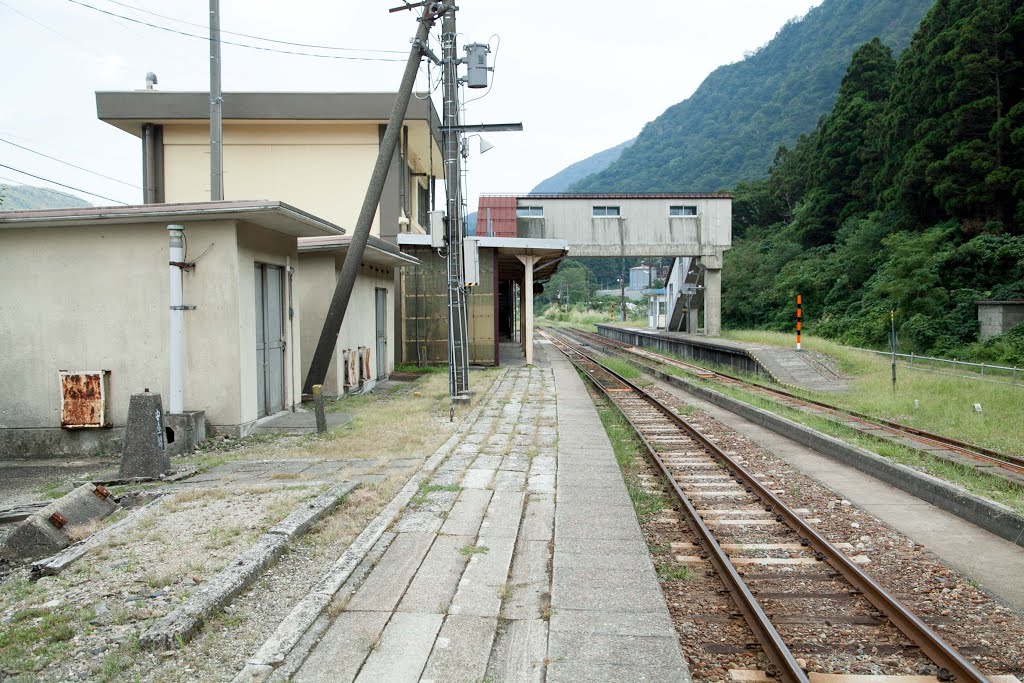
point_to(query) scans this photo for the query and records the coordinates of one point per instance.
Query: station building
(695, 226)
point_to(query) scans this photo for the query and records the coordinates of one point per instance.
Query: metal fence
(956, 368)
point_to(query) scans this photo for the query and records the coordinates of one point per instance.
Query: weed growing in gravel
(628, 448)
(667, 572)
(34, 636)
(621, 367)
(470, 550)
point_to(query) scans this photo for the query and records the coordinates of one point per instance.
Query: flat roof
(129, 109)
(273, 215)
(526, 246)
(378, 252)
(1001, 302)
(617, 195)
(549, 252)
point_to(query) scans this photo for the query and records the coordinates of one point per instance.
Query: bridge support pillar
(713, 302)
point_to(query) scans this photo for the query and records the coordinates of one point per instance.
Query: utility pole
(327, 344)
(216, 105)
(458, 327)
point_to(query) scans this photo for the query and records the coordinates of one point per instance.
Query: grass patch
(679, 572)
(52, 490)
(422, 369)
(985, 485)
(627, 447)
(422, 495)
(470, 550)
(622, 367)
(945, 403)
(35, 637)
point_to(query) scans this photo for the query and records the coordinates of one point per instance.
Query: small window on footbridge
(605, 211)
(682, 210)
(530, 212)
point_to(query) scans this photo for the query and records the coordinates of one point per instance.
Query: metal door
(382, 333)
(270, 346)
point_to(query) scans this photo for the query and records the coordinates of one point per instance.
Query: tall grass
(581, 317)
(945, 404)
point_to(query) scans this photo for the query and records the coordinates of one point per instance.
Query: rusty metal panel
(83, 399)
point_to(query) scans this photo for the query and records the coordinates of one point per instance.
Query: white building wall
(316, 279)
(96, 298)
(643, 227)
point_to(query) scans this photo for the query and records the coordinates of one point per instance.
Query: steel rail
(1009, 462)
(764, 631)
(952, 665)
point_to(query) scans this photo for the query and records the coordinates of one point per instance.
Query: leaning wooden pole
(325, 347)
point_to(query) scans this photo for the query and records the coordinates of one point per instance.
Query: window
(530, 212)
(605, 211)
(682, 211)
(422, 205)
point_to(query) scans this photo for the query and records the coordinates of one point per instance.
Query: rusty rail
(1006, 461)
(952, 665)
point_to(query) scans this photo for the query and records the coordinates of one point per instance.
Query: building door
(382, 333)
(270, 344)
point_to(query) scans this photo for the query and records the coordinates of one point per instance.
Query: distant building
(696, 226)
(999, 317)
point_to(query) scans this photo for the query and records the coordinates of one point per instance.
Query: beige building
(86, 291)
(365, 352)
(313, 150)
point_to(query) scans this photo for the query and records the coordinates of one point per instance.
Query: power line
(228, 42)
(68, 163)
(248, 35)
(70, 187)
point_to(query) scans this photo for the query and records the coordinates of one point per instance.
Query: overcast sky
(581, 76)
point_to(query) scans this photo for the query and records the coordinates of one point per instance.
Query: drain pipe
(176, 237)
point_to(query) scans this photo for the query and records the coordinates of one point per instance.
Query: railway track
(1011, 467)
(748, 535)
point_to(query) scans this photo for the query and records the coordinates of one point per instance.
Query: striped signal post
(799, 316)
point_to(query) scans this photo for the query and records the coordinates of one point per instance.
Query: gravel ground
(105, 599)
(715, 639)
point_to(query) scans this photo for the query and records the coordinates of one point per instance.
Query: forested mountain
(561, 181)
(729, 129)
(908, 196)
(20, 197)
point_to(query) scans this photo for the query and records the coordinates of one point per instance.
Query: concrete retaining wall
(991, 516)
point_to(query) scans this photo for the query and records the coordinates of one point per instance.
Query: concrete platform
(299, 422)
(787, 366)
(522, 572)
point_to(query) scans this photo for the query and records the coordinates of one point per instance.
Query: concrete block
(503, 514)
(519, 651)
(467, 513)
(343, 648)
(434, 585)
(588, 588)
(587, 623)
(184, 431)
(403, 649)
(529, 581)
(583, 671)
(144, 453)
(486, 573)
(461, 651)
(385, 586)
(48, 530)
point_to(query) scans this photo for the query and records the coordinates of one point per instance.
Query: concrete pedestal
(184, 431)
(144, 453)
(49, 530)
